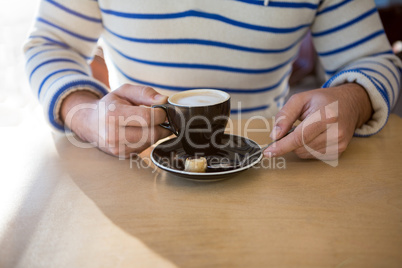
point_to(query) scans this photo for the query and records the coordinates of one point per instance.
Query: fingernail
(275, 132)
(159, 97)
(268, 153)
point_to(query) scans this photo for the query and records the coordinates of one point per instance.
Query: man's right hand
(118, 124)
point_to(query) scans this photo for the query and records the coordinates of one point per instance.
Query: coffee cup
(198, 118)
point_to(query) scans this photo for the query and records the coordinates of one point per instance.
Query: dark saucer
(170, 156)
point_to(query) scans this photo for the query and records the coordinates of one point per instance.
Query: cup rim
(199, 89)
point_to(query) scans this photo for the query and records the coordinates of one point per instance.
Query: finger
(139, 139)
(140, 95)
(136, 116)
(289, 113)
(328, 153)
(303, 134)
(121, 151)
(321, 144)
(127, 140)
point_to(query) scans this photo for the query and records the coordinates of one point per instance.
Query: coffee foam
(198, 97)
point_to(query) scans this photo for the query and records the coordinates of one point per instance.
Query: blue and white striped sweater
(244, 47)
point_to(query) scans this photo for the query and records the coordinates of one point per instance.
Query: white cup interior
(198, 97)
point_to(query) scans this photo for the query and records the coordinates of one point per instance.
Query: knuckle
(302, 154)
(299, 151)
(341, 135)
(342, 147)
(294, 97)
(298, 140)
(114, 150)
(280, 116)
(125, 86)
(147, 91)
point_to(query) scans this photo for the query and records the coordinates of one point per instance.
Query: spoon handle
(265, 147)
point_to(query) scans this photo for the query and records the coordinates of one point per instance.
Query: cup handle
(167, 125)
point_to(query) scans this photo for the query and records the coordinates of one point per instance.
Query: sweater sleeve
(63, 39)
(353, 48)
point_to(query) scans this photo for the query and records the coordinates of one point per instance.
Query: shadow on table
(179, 219)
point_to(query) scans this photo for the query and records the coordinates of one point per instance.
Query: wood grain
(70, 207)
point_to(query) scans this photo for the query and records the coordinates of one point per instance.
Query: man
(244, 47)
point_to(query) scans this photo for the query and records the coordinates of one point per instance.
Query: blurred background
(18, 106)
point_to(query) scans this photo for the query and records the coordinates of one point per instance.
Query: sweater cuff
(378, 97)
(60, 89)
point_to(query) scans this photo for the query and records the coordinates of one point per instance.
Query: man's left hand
(329, 117)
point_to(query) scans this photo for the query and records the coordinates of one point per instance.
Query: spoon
(222, 167)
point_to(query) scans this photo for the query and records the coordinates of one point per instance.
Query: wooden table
(62, 206)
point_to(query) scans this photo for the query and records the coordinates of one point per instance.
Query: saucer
(170, 156)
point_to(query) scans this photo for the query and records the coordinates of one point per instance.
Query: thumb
(289, 113)
(140, 95)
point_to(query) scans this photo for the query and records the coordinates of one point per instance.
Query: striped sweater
(244, 47)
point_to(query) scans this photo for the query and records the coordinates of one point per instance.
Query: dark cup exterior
(199, 129)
